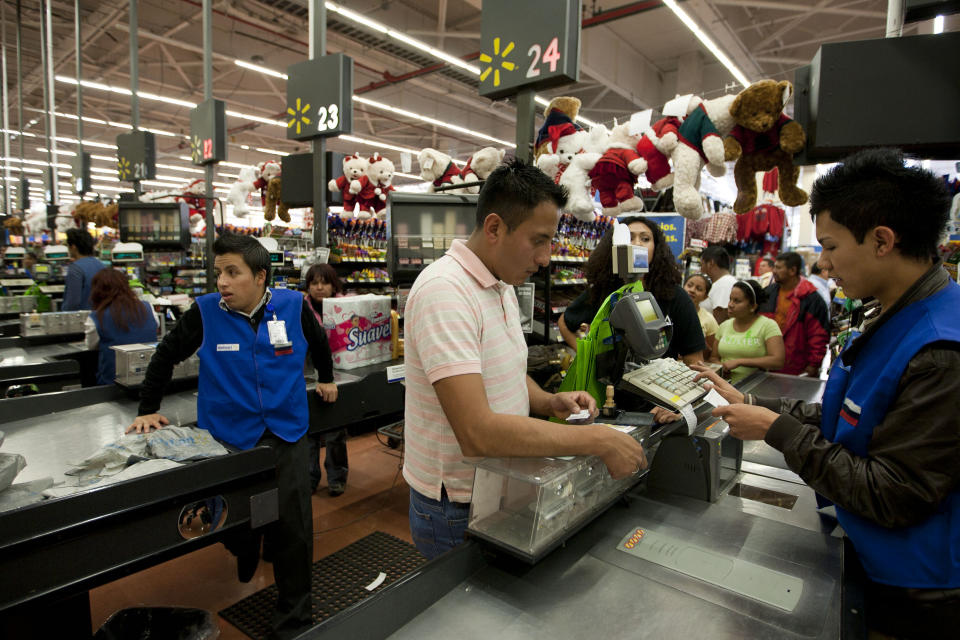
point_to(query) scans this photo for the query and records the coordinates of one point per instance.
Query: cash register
(528, 506)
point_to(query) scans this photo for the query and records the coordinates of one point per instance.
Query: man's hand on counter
(622, 455)
(327, 391)
(726, 390)
(564, 403)
(662, 415)
(747, 421)
(147, 423)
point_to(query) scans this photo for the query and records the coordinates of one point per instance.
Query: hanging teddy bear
(270, 185)
(576, 179)
(439, 169)
(354, 185)
(193, 195)
(700, 143)
(560, 119)
(380, 173)
(764, 138)
(480, 165)
(615, 174)
(241, 189)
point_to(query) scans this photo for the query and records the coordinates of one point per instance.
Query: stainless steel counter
(36, 354)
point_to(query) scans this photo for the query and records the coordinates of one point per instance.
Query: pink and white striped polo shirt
(459, 319)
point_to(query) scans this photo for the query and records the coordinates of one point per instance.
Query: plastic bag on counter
(183, 443)
(135, 470)
(10, 465)
(23, 494)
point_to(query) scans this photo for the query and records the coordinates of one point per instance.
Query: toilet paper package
(358, 328)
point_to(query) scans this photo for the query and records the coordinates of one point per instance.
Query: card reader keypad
(667, 382)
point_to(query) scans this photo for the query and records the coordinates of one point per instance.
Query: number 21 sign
(529, 44)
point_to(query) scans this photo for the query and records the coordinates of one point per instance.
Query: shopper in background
(29, 262)
(820, 278)
(118, 317)
(662, 280)
(252, 393)
(468, 394)
(747, 341)
(715, 262)
(884, 444)
(76, 292)
(322, 282)
(765, 271)
(801, 315)
(697, 287)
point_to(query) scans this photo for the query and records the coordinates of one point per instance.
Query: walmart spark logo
(196, 149)
(123, 168)
(299, 116)
(488, 60)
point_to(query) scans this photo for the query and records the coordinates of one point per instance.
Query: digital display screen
(647, 312)
(640, 260)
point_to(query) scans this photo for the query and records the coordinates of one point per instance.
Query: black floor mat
(339, 581)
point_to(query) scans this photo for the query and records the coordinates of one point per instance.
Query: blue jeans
(437, 527)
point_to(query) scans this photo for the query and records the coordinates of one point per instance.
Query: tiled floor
(376, 499)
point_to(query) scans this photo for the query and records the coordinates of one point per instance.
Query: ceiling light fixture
(707, 42)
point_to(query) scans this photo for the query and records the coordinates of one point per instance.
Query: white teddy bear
(480, 165)
(439, 169)
(380, 172)
(241, 190)
(701, 137)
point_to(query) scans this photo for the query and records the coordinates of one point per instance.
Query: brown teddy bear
(764, 138)
(560, 119)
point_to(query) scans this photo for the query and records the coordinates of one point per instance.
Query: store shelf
(538, 331)
(369, 282)
(360, 261)
(569, 259)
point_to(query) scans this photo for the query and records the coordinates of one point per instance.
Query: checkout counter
(697, 546)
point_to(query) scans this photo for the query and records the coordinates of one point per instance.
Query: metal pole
(6, 117)
(50, 171)
(526, 109)
(894, 18)
(134, 80)
(209, 167)
(52, 115)
(21, 197)
(318, 47)
(76, 29)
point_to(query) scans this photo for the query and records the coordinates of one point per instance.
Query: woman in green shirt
(747, 341)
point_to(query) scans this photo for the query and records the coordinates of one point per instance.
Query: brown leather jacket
(914, 454)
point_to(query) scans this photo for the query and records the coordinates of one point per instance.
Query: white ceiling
(629, 63)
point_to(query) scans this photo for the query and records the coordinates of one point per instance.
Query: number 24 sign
(550, 56)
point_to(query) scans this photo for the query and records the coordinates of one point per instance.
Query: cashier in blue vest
(884, 444)
(252, 342)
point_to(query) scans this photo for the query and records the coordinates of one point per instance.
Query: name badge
(228, 347)
(277, 330)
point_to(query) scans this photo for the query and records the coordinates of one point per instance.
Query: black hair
(753, 291)
(514, 190)
(815, 269)
(325, 274)
(872, 188)
(661, 280)
(254, 254)
(717, 255)
(82, 240)
(793, 261)
(31, 254)
(768, 260)
(707, 282)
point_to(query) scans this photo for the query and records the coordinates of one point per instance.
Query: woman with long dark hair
(322, 282)
(662, 280)
(117, 317)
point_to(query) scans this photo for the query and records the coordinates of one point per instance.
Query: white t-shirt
(719, 295)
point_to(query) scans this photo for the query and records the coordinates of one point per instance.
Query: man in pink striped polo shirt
(468, 394)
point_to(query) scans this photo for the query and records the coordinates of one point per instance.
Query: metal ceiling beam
(791, 24)
(775, 21)
(782, 60)
(713, 22)
(878, 29)
(794, 6)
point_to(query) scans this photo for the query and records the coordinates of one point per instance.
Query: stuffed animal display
(763, 138)
(615, 174)
(439, 169)
(380, 173)
(271, 185)
(241, 189)
(560, 119)
(193, 195)
(700, 143)
(480, 165)
(355, 186)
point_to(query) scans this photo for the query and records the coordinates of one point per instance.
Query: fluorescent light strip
(433, 121)
(707, 42)
(272, 151)
(397, 35)
(384, 145)
(259, 69)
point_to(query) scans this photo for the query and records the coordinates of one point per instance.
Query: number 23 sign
(548, 31)
(319, 97)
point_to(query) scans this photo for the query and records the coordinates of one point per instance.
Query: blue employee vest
(856, 399)
(246, 385)
(110, 334)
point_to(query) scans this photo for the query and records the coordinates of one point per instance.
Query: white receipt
(690, 417)
(714, 398)
(583, 414)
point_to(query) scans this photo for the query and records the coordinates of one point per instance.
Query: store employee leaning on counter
(884, 445)
(252, 342)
